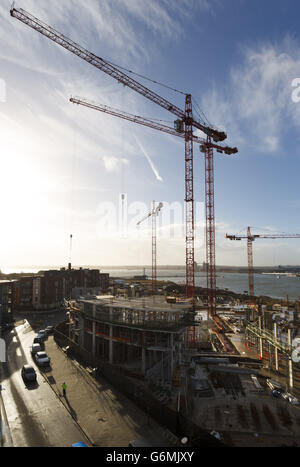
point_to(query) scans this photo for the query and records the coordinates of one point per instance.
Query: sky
(65, 166)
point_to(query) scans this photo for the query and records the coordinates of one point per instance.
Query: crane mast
(210, 228)
(153, 213)
(250, 240)
(189, 200)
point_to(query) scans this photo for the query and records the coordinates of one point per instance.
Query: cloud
(258, 110)
(113, 164)
(154, 169)
(110, 24)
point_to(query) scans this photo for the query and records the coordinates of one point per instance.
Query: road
(35, 415)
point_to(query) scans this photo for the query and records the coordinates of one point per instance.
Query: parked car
(43, 333)
(42, 359)
(276, 393)
(38, 339)
(49, 329)
(35, 348)
(28, 373)
(290, 398)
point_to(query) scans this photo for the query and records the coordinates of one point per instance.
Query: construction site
(228, 370)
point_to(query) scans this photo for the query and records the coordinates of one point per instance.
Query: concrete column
(172, 355)
(290, 362)
(275, 348)
(179, 352)
(143, 355)
(260, 338)
(143, 360)
(94, 338)
(81, 334)
(111, 348)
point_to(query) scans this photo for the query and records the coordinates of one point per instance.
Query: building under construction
(138, 333)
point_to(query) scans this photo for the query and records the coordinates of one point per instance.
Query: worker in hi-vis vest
(64, 388)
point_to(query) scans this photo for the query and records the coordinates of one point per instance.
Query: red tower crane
(185, 119)
(153, 213)
(206, 147)
(250, 239)
(210, 226)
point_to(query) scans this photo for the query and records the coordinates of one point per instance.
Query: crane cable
(146, 78)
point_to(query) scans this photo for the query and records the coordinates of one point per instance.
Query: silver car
(43, 333)
(42, 359)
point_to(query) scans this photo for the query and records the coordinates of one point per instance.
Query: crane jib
(93, 59)
(107, 68)
(151, 124)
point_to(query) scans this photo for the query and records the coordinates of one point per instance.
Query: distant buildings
(6, 289)
(48, 290)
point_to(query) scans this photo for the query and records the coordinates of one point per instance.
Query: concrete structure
(86, 292)
(139, 334)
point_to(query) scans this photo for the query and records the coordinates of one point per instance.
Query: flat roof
(147, 303)
(8, 281)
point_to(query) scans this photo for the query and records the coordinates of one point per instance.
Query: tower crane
(153, 213)
(206, 146)
(185, 121)
(148, 122)
(250, 239)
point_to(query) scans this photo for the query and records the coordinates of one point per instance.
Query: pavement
(31, 414)
(105, 415)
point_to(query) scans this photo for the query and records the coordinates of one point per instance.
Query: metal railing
(269, 337)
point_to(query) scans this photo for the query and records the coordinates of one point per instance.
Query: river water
(264, 284)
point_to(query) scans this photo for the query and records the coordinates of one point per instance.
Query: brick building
(6, 292)
(23, 293)
(48, 290)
